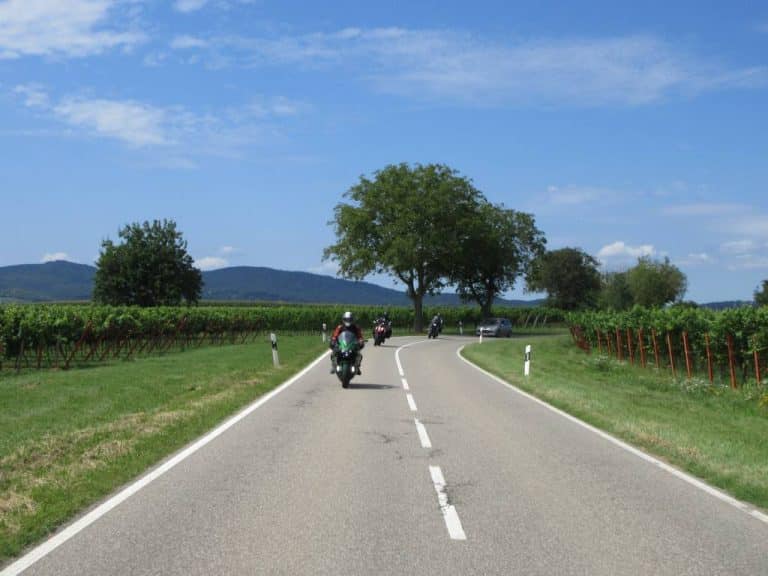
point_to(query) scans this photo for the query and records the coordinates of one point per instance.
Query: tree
(654, 283)
(615, 293)
(151, 267)
(406, 222)
(761, 295)
(569, 276)
(497, 247)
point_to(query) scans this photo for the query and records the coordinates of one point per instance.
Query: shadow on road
(353, 386)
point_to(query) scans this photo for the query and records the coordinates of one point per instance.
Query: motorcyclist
(348, 324)
(437, 319)
(386, 322)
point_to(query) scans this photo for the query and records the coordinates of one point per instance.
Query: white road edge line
(411, 403)
(692, 480)
(423, 436)
(58, 539)
(451, 517)
(405, 384)
(397, 355)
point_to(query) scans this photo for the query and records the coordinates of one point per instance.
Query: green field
(711, 431)
(68, 438)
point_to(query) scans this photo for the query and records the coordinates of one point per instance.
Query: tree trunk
(418, 306)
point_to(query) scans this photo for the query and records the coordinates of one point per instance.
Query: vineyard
(728, 346)
(65, 335)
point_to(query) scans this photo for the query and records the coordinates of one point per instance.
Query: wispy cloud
(458, 66)
(186, 42)
(696, 259)
(71, 28)
(704, 209)
(573, 195)
(54, 257)
(327, 268)
(181, 132)
(187, 6)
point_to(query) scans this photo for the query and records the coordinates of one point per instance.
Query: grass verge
(711, 431)
(67, 439)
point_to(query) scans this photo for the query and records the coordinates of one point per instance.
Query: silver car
(497, 327)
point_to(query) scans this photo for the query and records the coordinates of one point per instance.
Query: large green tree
(761, 294)
(654, 283)
(406, 221)
(498, 246)
(569, 276)
(615, 293)
(150, 267)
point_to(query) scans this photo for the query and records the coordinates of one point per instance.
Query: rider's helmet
(347, 319)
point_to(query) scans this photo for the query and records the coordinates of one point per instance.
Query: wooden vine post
(629, 346)
(641, 347)
(758, 377)
(731, 361)
(687, 352)
(710, 371)
(656, 349)
(671, 356)
(619, 351)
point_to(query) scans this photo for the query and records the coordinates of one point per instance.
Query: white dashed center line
(405, 384)
(451, 517)
(423, 436)
(411, 403)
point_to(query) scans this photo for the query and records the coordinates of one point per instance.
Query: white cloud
(226, 250)
(132, 122)
(187, 6)
(457, 66)
(71, 28)
(620, 250)
(211, 263)
(54, 257)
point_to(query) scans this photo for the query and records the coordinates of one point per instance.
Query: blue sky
(627, 129)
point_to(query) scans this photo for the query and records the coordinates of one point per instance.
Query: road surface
(440, 470)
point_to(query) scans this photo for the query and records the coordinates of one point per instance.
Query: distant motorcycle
(434, 330)
(347, 349)
(379, 333)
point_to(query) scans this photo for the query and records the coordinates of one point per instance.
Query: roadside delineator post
(325, 330)
(527, 365)
(275, 356)
(481, 336)
(461, 328)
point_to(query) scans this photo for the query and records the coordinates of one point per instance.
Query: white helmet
(347, 319)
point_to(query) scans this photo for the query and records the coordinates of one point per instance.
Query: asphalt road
(321, 480)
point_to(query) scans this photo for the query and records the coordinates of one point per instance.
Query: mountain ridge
(68, 281)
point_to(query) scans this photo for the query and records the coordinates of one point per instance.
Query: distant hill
(44, 282)
(58, 281)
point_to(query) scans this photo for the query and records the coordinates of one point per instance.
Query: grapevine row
(59, 335)
(730, 344)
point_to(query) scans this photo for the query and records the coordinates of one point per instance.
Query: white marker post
(527, 369)
(481, 336)
(325, 329)
(275, 357)
(461, 328)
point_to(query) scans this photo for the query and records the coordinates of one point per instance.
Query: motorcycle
(380, 333)
(346, 351)
(434, 330)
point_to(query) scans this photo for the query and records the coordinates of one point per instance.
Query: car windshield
(490, 321)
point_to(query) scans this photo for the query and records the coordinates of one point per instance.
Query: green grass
(69, 438)
(711, 431)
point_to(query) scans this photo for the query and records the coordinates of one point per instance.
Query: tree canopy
(655, 283)
(407, 222)
(761, 294)
(569, 276)
(498, 247)
(151, 267)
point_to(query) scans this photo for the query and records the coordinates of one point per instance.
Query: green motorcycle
(347, 350)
